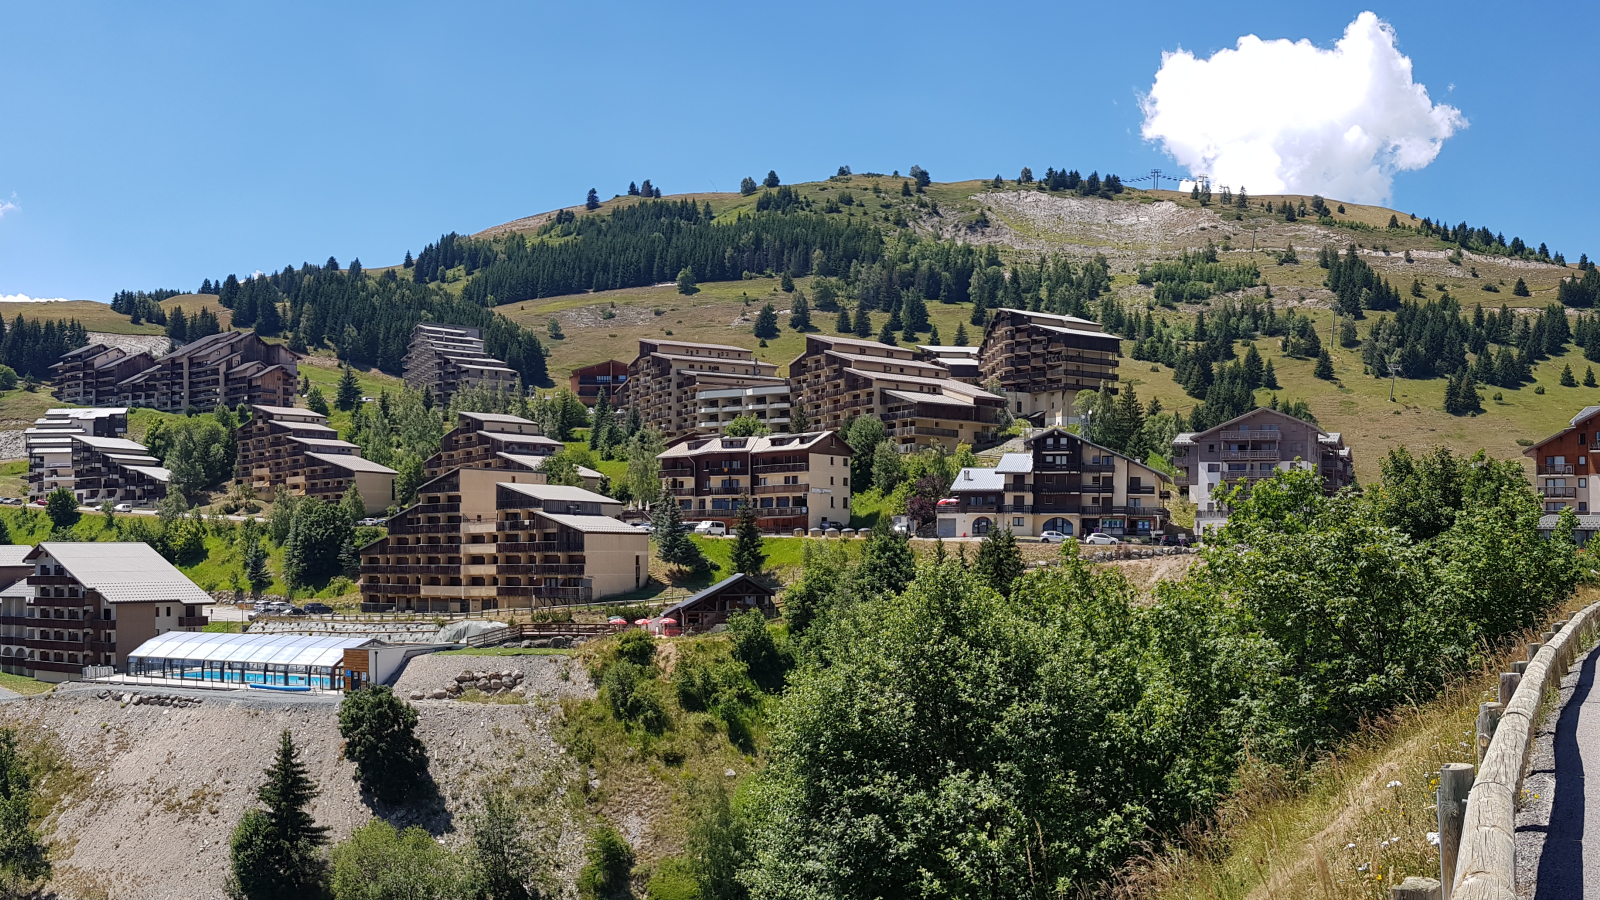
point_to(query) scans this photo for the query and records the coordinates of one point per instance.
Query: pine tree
(349, 393)
(766, 322)
(786, 283)
(747, 556)
(999, 561)
(1567, 379)
(315, 401)
(256, 573)
(686, 281)
(673, 545)
(863, 326)
(933, 337)
(593, 200)
(800, 313)
(842, 323)
(748, 186)
(886, 336)
(1269, 378)
(1521, 289)
(274, 852)
(1588, 377)
(961, 335)
(602, 422)
(1324, 367)
(772, 179)
(1254, 371)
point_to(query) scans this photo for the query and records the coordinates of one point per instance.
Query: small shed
(715, 604)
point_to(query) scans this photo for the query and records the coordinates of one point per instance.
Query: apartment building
(14, 595)
(80, 450)
(1562, 471)
(292, 448)
(446, 358)
(1043, 360)
(666, 379)
(225, 369)
(1254, 446)
(715, 407)
(837, 379)
(589, 382)
(1061, 483)
(793, 480)
(90, 375)
(491, 441)
(485, 539)
(90, 604)
(961, 362)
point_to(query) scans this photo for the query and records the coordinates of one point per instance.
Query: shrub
(632, 693)
(378, 862)
(609, 864)
(379, 731)
(754, 646)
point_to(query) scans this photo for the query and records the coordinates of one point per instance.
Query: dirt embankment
(153, 792)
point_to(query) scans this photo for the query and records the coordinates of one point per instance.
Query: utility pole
(1394, 370)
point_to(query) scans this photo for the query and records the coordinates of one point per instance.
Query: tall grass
(1344, 827)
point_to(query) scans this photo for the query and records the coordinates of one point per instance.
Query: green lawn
(23, 685)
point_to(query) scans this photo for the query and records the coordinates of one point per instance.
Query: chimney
(967, 473)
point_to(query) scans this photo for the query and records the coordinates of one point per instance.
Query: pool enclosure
(268, 660)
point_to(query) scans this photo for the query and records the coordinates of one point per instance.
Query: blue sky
(153, 145)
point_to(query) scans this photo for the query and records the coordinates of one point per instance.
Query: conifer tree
(673, 545)
(275, 852)
(961, 335)
(886, 336)
(1588, 377)
(747, 556)
(686, 282)
(1324, 367)
(1269, 378)
(863, 326)
(748, 186)
(1521, 289)
(933, 336)
(593, 200)
(315, 401)
(766, 322)
(842, 323)
(1567, 379)
(772, 179)
(800, 312)
(999, 561)
(349, 393)
(1254, 371)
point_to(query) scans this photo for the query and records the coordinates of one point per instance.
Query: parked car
(1100, 539)
(11, 501)
(39, 502)
(371, 520)
(123, 507)
(646, 527)
(295, 611)
(1169, 540)
(709, 528)
(318, 609)
(1052, 537)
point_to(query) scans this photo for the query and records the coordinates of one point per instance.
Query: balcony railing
(1249, 435)
(1555, 469)
(1557, 493)
(193, 621)
(802, 488)
(1250, 454)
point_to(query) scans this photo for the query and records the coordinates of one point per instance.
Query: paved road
(1569, 866)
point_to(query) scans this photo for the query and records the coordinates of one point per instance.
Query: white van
(711, 528)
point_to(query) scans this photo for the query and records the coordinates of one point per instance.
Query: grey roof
(17, 590)
(324, 442)
(971, 479)
(536, 462)
(1585, 523)
(14, 554)
(512, 437)
(713, 590)
(123, 572)
(494, 417)
(279, 649)
(561, 493)
(110, 443)
(593, 524)
(1015, 463)
(287, 411)
(159, 473)
(352, 463)
(1584, 413)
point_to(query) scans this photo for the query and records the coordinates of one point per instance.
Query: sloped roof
(713, 590)
(535, 463)
(287, 411)
(1015, 463)
(123, 572)
(352, 462)
(494, 417)
(976, 479)
(592, 524)
(560, 493)
(278, 649)
(14, 554)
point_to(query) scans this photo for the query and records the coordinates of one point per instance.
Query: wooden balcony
(1555, 469)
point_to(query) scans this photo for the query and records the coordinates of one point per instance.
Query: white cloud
(1288, 117)
(8, 205)
(24, 298)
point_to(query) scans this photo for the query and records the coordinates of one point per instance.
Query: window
(1016, 522)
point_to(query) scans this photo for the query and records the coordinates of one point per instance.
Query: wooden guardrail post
(1415, 888)
(1455, 783)
(1520, 667)
(1533, 650)
(1508, 685)
(1488, 720)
